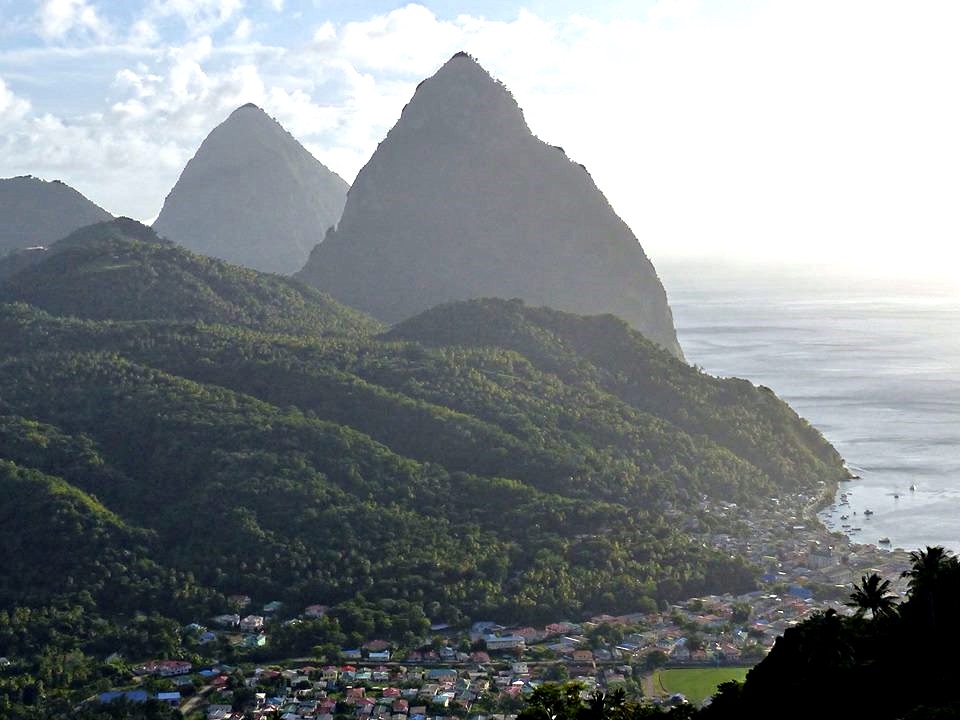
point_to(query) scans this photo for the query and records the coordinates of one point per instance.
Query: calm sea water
(875, 366)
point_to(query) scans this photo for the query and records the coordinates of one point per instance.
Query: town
(487, 670)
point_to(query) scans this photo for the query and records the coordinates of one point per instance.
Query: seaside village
(487, 671)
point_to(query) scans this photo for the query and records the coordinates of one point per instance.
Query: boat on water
(884, 541)
(844, 517)
(868, 511)
(913, 488)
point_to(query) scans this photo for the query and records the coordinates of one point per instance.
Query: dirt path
(651, 689)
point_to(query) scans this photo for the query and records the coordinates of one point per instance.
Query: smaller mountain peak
(464, 55)
(248, 111)
(463, 62)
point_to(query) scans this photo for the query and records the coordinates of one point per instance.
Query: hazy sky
(823, 131)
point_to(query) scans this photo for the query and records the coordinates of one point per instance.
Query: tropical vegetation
(174, 429)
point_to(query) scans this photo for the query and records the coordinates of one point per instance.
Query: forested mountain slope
(485, 458)
(121, 270)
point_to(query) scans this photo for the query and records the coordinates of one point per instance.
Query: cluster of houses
(799, 559)
(804, 555)
(395, 692)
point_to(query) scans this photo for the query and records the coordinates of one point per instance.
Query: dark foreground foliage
(887, 661)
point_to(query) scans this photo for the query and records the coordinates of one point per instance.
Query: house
(229, 621)
(169, 698)
(272, 607)
(327, 705)
(354, 695)
(441, 675)
(218, 712)
(133, 696)
(382, 656)
(484, 627)
(561, 628)
(170, 668)
(252, 623)
(254, 641)
(504, 642)
(315, 611)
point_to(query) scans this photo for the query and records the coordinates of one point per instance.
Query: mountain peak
(462, 96)
(253, 195)
(35, 212)
(462, 201)
(463, 62)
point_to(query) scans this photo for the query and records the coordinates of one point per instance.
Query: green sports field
(696, 684)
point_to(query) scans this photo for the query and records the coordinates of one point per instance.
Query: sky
(822, 133)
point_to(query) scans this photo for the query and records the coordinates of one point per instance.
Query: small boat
(896, 496)
(913, 488)
(884, 541)
(844, 517)
(855, 529)
(868, 511)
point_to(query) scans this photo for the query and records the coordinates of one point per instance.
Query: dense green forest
(185, 429)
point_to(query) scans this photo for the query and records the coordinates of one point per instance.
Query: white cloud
(59, 18)
(243, 30)
(817, 128)
(13, 109)
(198, 17)
(144, 32)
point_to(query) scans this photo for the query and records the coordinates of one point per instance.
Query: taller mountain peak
(461, 200)
(253, 195)
(462, 95)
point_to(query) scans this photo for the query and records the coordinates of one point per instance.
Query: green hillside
(483, 459)
(121, 270)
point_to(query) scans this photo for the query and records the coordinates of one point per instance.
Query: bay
(874, 364)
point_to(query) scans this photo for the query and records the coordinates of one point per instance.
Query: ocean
(873, 364)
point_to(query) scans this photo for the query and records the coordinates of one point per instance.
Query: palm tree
(873, 594)
(928, 566)
(931, 567)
